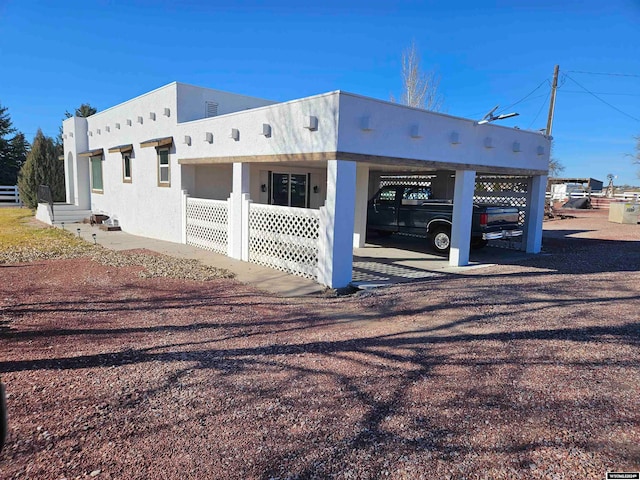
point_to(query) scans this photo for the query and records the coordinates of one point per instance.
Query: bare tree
(555, 166)
(419, 88)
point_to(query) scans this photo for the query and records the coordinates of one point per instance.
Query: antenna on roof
(490, 117)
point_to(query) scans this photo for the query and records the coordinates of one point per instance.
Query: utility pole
(552, 103)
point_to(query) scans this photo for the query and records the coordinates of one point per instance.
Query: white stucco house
(283, 184)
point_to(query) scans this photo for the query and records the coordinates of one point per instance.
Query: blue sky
(57, 55)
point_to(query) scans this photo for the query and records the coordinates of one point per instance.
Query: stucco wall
(288, 132)
(213, 181)
(390, 128)
(191, 102)
(144, 208)
(141, 207)
(76, 170)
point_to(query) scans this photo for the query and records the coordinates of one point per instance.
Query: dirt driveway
(525, 371)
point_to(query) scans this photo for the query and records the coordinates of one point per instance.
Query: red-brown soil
(525, 371)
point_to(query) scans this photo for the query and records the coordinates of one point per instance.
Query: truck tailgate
(498, 216)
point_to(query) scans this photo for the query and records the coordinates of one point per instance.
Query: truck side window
(387, 195)
(415, 195)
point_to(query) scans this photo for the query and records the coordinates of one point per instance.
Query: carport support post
(462, 216)
(239, 194)
(534, 214)
(335, 252)
(185, 201)
(362, 196)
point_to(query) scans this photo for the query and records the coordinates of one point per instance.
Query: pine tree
(6, 157)
(18, 150)
(13, 151)
(41, 167)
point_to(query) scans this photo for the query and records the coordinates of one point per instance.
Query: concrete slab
(405, 258)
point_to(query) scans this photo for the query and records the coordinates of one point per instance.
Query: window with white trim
(126, 167)
(96, 174)
(164, 168)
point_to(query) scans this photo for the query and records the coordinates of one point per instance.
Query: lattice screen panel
(417, 180)
(502, 190)
(208, 224)
(285, 238)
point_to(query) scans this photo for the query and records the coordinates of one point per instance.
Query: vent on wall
(210, 109)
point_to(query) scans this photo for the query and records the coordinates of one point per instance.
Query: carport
(348, 143)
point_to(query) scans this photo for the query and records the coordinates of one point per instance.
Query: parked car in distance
(412, 209)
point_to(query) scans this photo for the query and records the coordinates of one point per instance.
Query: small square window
(164, 169)
(126, 168)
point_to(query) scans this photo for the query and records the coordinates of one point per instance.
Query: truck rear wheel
(441, 239)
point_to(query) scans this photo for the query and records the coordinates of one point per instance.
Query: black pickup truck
(411, 209)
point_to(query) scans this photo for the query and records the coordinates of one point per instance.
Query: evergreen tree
(41, 167)
(18, 150)
(11, 156)
(84, 110)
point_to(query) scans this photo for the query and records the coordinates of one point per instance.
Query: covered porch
(306, 215)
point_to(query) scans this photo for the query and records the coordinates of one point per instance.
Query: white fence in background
(9, 194)
(285, 238)
(616, 196)
(208, 224)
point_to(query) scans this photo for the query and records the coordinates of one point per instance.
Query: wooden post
(552, 102)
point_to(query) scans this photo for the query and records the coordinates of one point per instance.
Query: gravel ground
(151, 264)
(516, 371)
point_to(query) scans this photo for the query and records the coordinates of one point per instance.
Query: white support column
(185, 199)
(69, 177)
(362, 197)
(462, 216)
(335, 256)
(82, 173)
(240, 188)
(246, 206)
(535, 214)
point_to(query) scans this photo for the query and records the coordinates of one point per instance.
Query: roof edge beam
(359, 157)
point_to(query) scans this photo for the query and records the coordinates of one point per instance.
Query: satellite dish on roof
(490, 117)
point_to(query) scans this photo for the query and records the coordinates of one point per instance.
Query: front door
(289, 189)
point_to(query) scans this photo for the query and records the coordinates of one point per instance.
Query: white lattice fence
(411, 180)
(507, 190)
(208, 224)
(285, 238)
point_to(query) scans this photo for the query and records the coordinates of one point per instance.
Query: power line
(539, 110)
(525, 97)
(602, 100)
(605, 93)
(519, 101)
(605, 73)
